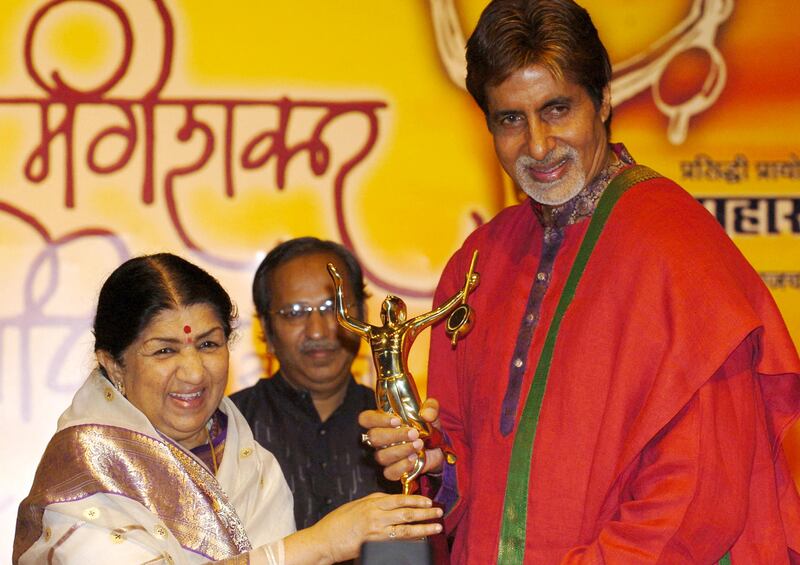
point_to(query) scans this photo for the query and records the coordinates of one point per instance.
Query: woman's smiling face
(176, 371)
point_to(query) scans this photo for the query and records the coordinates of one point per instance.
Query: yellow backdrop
(216, 130)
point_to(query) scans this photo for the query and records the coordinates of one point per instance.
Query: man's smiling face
(548, 134)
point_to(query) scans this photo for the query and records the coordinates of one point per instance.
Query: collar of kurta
(584, 204)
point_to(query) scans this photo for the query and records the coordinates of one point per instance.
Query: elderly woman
(151, 464)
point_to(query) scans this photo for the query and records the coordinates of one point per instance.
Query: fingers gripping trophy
(395, 390)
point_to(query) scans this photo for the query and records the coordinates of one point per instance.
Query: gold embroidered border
(84, 460)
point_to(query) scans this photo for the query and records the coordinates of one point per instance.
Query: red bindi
(187, 329)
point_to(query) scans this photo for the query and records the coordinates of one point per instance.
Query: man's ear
(265, 333)
(112, 366)
(357, 311)
(605, 104)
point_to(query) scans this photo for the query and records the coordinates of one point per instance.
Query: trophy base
(407, 552)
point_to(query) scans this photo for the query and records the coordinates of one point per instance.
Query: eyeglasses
(300, 311)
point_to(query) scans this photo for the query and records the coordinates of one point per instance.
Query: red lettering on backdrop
(60, 94)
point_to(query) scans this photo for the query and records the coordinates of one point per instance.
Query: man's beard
(551, 193)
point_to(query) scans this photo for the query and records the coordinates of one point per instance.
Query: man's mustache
(550, 160)
(311, 345)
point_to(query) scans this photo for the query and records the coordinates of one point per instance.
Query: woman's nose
(191, 365)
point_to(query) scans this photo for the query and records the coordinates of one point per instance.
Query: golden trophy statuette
(395, 390)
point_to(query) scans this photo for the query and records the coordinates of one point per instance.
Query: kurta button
(323, 431)
(160, 531)
(518, 362)
(109, 394)
(48, 533)
(541, 276)
(246, 452)
(117, 537)
(530, 317)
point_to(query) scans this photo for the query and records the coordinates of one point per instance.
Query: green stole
(513, 530)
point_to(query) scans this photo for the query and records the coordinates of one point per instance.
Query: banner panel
(215, 132)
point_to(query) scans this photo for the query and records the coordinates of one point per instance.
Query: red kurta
(672, 383)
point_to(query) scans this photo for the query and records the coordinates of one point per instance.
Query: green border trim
(511, 548)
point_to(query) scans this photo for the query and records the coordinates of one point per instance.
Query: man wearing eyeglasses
(306, 414)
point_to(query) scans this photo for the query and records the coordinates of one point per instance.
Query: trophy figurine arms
(344, 319)
(423, 320)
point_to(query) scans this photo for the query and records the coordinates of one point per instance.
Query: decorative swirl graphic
(698, 31)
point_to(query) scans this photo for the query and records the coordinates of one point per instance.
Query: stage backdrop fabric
(216, 130)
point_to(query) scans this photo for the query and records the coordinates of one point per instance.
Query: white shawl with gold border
(111, 489)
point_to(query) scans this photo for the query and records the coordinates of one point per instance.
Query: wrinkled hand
(377, 517)
(396, 445)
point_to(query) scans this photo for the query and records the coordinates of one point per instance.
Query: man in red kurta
(628, 381)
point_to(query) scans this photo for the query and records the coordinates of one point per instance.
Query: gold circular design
(117, 537)
(109, 394)
(48, 533)
(246, 452)
(160, 531)
(91, 513)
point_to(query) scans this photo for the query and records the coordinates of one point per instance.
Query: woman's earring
(120, 386)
